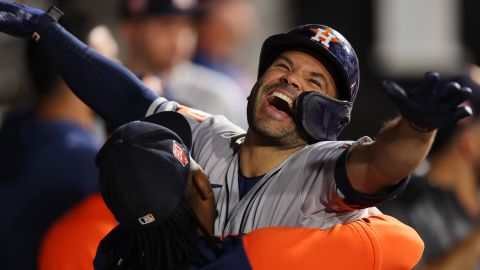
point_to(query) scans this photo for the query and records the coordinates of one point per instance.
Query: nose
(291, 79)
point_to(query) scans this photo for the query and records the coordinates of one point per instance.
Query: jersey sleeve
(108, 88)
(327, 186)
(357, 199)
(363, 244)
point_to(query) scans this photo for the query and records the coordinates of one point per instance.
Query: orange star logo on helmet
(324, 36)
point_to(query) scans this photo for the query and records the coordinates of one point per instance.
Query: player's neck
(257, 159)
(65, 106)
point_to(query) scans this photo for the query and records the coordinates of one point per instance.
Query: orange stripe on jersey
(198, 115)
(377, 242)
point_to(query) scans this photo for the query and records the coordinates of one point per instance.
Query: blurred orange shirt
(71, 243)
(377, 242)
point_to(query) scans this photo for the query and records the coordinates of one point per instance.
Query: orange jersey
(377, 242)
(72, 242)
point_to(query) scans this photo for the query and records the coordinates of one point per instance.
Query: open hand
(430, 105)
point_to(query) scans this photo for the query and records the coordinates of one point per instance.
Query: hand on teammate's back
(430, 105)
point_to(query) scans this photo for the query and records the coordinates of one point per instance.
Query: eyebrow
(318, 75)
(312, 73)
(286, 59)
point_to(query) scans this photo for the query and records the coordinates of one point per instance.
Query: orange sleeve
(377, 242)
(71, 243)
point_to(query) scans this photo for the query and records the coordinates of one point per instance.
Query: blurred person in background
(47, 153)
(161, 38)
(224, 27)
(72, 241)
(443, 204)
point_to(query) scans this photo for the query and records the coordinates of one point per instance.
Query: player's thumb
(394, 91)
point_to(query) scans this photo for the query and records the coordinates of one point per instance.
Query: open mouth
(281, 102)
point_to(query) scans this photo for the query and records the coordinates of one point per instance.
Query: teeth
(284, 98)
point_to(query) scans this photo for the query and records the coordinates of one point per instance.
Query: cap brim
(175, 122)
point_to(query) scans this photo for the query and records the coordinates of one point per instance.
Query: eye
(316, 83)
(282, 65)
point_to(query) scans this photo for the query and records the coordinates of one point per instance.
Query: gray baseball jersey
(301, 192)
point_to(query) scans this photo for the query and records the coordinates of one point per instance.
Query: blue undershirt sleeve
(108, 88)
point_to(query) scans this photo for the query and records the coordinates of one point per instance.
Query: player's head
(310, 58)
(160, 199)
(159, 33)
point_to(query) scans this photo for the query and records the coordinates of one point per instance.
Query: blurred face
(271, 102)
(475, 147)
(201, 196)
(164, 41)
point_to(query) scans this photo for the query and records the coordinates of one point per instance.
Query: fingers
(453, 93)
(9, 7)
(462, 112)
(394, 91)
(447, 91)
(430, 80)
(460, 95)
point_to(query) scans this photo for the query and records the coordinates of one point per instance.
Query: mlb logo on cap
(146, 219)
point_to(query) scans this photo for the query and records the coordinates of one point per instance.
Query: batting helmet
(336, 53)
(325, 44)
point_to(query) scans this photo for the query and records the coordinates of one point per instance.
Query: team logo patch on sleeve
(179, 153)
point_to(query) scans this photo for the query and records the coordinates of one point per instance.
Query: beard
(266, 129)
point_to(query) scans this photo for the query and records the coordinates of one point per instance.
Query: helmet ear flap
(321, 117)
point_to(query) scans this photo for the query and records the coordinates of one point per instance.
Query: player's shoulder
(200, 120)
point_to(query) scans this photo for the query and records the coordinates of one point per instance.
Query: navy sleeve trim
(357, 199)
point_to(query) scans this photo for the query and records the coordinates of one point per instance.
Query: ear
(201, 182)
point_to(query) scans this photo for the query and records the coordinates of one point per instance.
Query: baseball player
(165, 209)
(288, 168)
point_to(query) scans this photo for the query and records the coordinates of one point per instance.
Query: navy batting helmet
(325, 44)
(321, 117)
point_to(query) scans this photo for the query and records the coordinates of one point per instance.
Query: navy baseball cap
(138, 9)
(144, 167)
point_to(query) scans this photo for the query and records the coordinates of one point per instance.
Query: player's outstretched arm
(108, 88)
(404, 142)
(362, 244)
